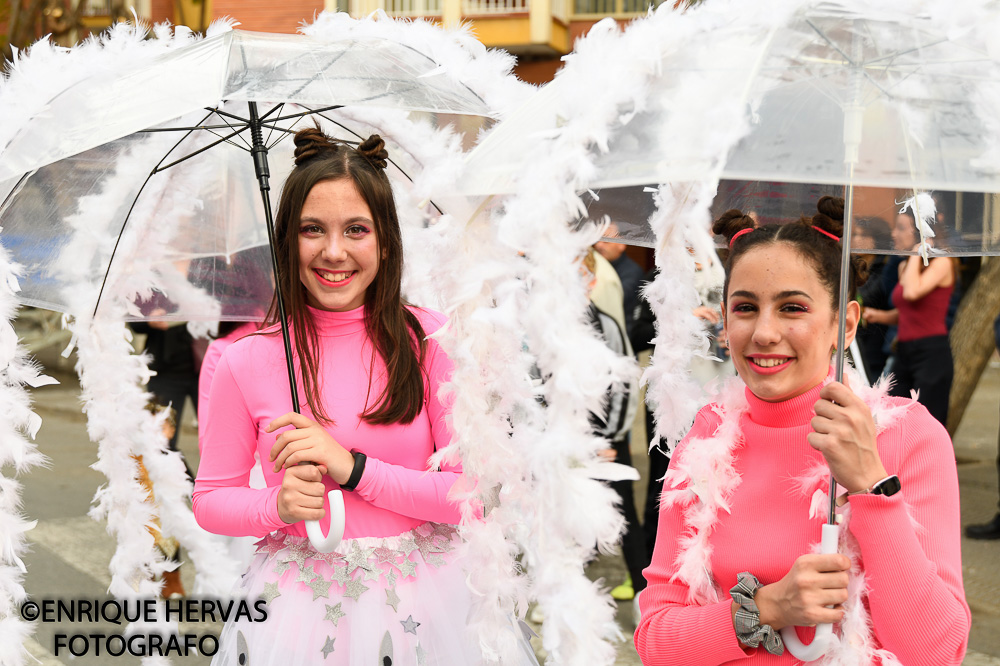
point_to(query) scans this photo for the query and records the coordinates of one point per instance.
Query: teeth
(768, 362)
(334, 277)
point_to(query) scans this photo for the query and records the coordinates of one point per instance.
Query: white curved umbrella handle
(824, 639)
(326, 544)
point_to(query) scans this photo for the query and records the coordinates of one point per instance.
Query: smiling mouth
(334, 277)
(769, 362)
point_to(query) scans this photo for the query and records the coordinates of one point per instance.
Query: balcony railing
(595, 8)
(487, 7)
(412, 8)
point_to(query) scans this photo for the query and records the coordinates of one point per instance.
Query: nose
(765, 330)
(334, 248)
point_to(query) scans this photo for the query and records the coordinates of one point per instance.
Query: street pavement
(70, 553)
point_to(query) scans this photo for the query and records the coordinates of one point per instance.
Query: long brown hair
(394, 331)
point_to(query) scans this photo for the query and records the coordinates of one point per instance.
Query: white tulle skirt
(393, 601)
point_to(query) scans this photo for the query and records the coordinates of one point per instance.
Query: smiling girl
(743, 501)
(393, 592)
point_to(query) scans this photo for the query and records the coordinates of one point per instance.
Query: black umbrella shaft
(259, 152)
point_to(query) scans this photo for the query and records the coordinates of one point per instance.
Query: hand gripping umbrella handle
(824, 639)
(326, 544)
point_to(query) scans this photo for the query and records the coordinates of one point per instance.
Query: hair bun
(830, 216)
(310, 143)
(374, 149)
(731, 223)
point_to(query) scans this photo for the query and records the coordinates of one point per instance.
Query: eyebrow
(353, 220)
(791, 293)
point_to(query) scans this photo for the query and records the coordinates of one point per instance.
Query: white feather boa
(17, 430)
(703, 480)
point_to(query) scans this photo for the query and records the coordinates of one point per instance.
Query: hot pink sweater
(250, 389)
(914, 574)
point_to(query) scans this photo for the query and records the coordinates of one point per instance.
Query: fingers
(304, 474)
(838, 393)
(287, 443)
(302, 494)
(290, 419)
(824, 563)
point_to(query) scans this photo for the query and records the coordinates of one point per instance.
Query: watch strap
(359, 469)
(886, 487)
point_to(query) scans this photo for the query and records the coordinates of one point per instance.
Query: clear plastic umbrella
(896, 95)
(152, 178)
(845, 93)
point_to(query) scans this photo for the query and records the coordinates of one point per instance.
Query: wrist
(867, 481)
(344, 467)
(768, 607)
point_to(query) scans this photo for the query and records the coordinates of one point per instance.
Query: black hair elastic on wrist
(359, 469)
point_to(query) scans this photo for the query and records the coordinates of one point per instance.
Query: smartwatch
(887, 487)
(359, 469)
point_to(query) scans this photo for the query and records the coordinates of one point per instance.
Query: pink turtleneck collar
(348, 322)
(791, 413)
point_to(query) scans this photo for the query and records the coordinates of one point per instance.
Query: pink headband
(826, 233)
(743, 232)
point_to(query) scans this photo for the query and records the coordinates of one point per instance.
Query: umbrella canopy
(163, 143)
(902, 96)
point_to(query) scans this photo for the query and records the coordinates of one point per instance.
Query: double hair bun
(312, 142)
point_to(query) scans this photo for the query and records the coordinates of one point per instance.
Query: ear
(853, 318)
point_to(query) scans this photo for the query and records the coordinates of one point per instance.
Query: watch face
(887, 487)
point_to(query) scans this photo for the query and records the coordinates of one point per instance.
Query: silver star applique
(391, 578)
(320, 588)
(409, 626)
(298, 554)
(340, 575)
(383, 555)
(447, 531)
(358, 557)
(407, 545)
(270, 592)
(281, 567)
(306, 574)
(354, 589)
(328, 647)
(333, 613)
(407, 568)
(421, 655)
(373, 574)
(392, 599)
(435, 560)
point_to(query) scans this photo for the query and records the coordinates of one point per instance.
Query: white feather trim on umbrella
(924, 214)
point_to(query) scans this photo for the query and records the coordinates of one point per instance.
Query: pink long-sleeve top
(397, 491)
(208, 366)
(914, 574)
